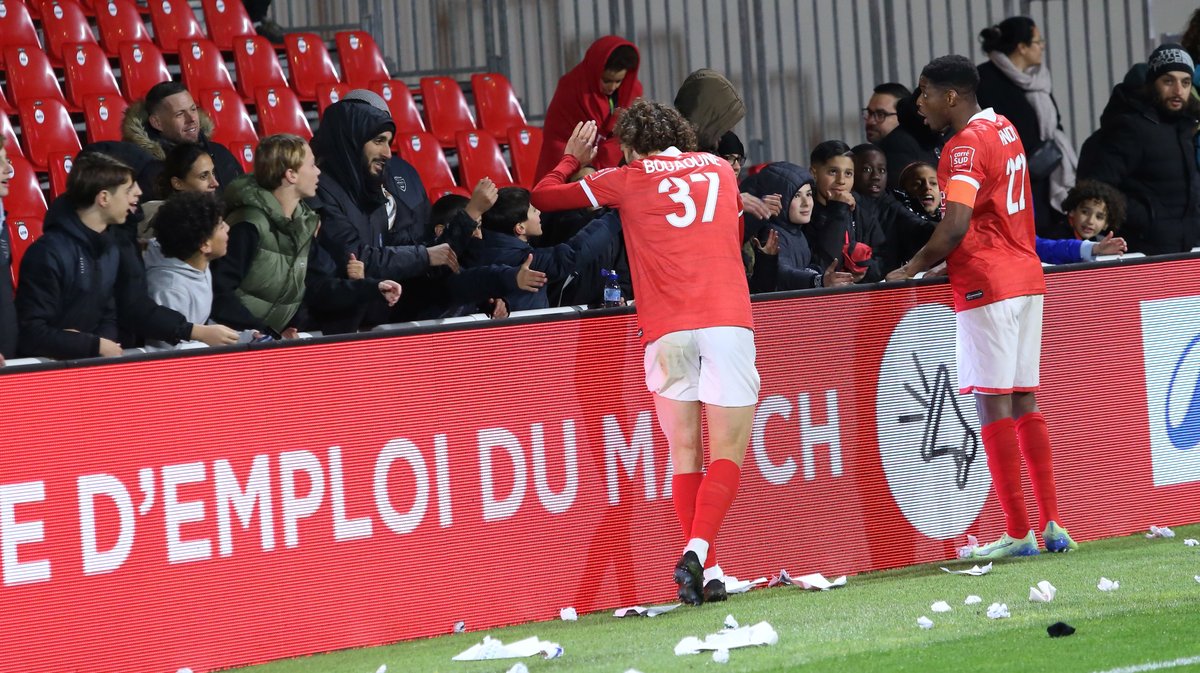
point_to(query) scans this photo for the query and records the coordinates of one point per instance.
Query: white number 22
(1015, 169)
(683, 196)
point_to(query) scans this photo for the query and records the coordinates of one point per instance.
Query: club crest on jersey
(962, 158)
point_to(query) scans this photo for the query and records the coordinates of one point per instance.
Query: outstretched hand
(770, 246)
(390, 290)
(528, 279)
(835, 278)
(1110, 246)
(582, 143)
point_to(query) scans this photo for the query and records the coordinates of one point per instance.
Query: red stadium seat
(446, 109)
(226, 20)
(279, 112)
(425, 154)
(244, 153)
(173, 21)
(120, 21)
(525, 146)
(497, 105)
(60, 168)
(88, 73)
(404, 109)
(479, 157)
(256, 65)
(308, 64)
(438, 192)
(16, 25)
(361, 61)
(142, 66)
(103, 116)
(46, 128)
(5, 108)
(25, 196)
(329, 93)
(202, 66)
(6, 130)
(63, 23)
(89, 6)
(30, 75)
(23, 230)
(231, 122)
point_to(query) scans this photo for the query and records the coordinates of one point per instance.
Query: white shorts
(1000, 346)
(714, 365)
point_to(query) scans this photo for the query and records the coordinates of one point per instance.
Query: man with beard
(1145, 149)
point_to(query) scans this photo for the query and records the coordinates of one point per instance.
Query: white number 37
(682, 195)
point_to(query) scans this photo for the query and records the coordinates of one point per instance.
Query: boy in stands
(987, 238)
(681, 217)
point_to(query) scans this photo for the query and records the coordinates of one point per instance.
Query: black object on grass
(1060, 629)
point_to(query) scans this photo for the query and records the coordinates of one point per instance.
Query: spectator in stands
(793, 268)
(443, 210)
(842, 233)
(66, 301)
(192, 235)
(273, 265)
(1016, 84)
(188, 168)
(507, 228)
(1093, 210)
(901, 226)
(731, 149)
(1145, 148)
(870, 170)
(8, 311)
(257, 11)
(1190, 41)
(879, 116)
(597, 89)
(168, 116)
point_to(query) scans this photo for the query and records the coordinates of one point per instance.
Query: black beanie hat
(1166, 58)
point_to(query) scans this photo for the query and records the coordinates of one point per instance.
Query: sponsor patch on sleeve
(962, 159)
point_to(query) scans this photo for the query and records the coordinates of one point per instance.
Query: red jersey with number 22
(681, 219)
(984, 166)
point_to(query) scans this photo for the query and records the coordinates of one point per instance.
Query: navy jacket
(68, 282)
(793, 267)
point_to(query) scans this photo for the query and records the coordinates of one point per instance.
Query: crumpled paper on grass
(639, 611)
(1191, 542)
(998, 611)
(924, 622)
(1107, 584)
(968, 549)
(735, 586)
(1043, 592)
(568, 615)
(940, 606)
(761, 633)
(972, 600)
(1164, 532)
(973, 571)
(491, 648)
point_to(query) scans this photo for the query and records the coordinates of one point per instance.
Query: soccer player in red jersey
(987, 239)
(681, 218)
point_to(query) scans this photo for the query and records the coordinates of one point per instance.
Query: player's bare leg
(1004, 463)
(1034, 440)
(680, 422)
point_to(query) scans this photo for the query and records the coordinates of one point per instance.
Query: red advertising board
(336, 495)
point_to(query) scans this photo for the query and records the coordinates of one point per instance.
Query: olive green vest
(274, 286)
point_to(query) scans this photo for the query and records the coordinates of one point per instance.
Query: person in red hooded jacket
(603, 83)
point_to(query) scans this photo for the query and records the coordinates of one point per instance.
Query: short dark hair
(828, 150)
(895, 89)
(95, 172)
(160, 92)
(185, 221)
(511, 208)
(859, 150)
(624, 57)
(908, 171)
(1088, 190)
(178, 164)
(446, 208)
(648, 127)
(952, 72)
(1007, 35)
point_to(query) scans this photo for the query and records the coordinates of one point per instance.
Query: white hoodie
(178, 285)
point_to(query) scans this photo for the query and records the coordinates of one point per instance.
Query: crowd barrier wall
(231, 508)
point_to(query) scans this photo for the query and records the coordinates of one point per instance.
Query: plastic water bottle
(612, 288)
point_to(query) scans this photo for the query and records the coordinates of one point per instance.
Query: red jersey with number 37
(984, 166)
(681, 219)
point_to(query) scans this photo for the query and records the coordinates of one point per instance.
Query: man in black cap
(1144, 148)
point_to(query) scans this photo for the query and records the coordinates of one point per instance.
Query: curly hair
(648, 127)
(185, 221)
(1191, 36)
(1091, 190)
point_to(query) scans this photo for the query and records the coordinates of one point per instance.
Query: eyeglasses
(734, 158)
(877, 115)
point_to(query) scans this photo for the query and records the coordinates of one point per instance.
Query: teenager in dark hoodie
(845, 230)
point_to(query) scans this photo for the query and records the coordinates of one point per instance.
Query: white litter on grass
(924, 622)
(518, 668)
(491, 648)
(1043, 592)
(382, 668)
(940, 606)
(782, 578)
(184, 670)
(761, 633)
(1196, 577)
(967, 550)
(1107, 584)
(818, 581)
(735, 586)
(972, 600)
(460, 627)
(639, 611)
(730, 622)
(998, 611)
(721, 656)
(1155, 531)
(568, 615)
(1155, 665)
(973, 571)
(1191, 542)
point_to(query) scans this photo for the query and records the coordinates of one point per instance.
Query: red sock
(1035, 446)
(1004, 462)
(683, 494)
(713, 499)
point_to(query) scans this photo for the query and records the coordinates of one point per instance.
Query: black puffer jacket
(795, 269)
(68, 282)
(1151, 157)
(911, 141)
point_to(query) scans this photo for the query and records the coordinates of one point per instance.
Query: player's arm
(553, 192)
(946, 237)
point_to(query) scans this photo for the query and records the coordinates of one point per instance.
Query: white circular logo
(103, 112)
(387, 91)
(218, 103)
(472, 140)
(250, 47)
(67, 164)
(80, 57)
(39, 116)
(248, 153)
(272, 99)
(524, 137)
(929, 440)
(221, 6)
(137, 54)
(58, 11)
(3, 10)
(416, 144)
(196, 51)
(166, 7)
(333, 96)
(112, 9)
(301, 45)
(23, 58)
(354, 42)
(23, 231)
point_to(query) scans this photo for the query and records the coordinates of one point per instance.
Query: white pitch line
(1155, 665)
